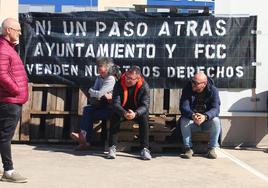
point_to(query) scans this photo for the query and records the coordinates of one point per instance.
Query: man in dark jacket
(131, 99)
(200, 108)
(13, 93)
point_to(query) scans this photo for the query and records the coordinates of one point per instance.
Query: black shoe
(188, 153)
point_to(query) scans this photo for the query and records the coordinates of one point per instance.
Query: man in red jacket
(13, 93)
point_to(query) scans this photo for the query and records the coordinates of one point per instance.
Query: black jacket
(142, 99)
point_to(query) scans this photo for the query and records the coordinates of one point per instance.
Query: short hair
(106, 61)
(135, 69)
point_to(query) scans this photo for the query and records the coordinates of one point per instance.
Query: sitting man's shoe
(188, 153)
(112, 153)
(145, 154)
(14, 177)
(80, 138)
(212, 153)
(75, 136)
(82, 147)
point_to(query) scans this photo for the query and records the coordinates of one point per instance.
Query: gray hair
(105, 61)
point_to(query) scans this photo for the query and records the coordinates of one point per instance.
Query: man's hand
(108, 96)
(198, 118)
(129, 115)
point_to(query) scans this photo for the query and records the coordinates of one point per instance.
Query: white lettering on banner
(211, 51)
(218, 71)
(191, 28)
(170, 50)
(179, 24)
(91, 70)
(206, 29)
(128, 30)
(42, 27)
(221, 30)
(164, 30)
(52, 69)
(78, 28)
(100, 27)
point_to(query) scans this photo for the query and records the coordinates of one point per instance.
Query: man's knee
(215, 122)
(183, 122)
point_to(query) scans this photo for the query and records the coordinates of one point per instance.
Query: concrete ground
(57, 166)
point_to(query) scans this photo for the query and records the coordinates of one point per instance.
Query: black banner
(169, 48)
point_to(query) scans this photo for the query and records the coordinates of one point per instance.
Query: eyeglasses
(196, 82)
(129, 78)
(17, 30)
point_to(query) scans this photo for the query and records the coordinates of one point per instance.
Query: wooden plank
(51, 105)
(59, 121)
(174, 101)
(51, 112)
(82, 101)
(151, 101)
(50, 86)
(26, 117)
(36, 104)
(74, 120)
(158, 99)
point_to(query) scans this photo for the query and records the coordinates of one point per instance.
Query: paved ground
(61, 167)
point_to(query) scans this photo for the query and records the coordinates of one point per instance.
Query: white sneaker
(145, 154)
(112, 153)
(14, 177)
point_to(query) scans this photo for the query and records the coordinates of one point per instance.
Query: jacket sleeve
(117, 100)
(185, 103)
(144, 102)
(107, 87)
(214, 105)
(7, 81)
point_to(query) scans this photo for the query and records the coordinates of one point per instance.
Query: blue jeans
(90, 115)
(188, 126)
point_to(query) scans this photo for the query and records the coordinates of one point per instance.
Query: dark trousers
(9, 117)
(91, 114)
(143, 129)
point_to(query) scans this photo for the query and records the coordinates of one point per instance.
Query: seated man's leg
(114, 129)
(97, 114)
(144, 136)
(83, 137)
(187, 127)
(214, 126)
(143, 130)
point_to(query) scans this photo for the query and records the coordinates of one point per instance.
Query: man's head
(133, 74)
(104, 65)
(11, 30)
(199, 82)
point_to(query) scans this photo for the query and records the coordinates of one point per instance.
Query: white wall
(243, 100)
(8, 9)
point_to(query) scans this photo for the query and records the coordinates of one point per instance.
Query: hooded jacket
(212, 100)
(141, 97)
(13, 77)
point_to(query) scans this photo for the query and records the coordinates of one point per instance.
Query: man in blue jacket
(200, 108)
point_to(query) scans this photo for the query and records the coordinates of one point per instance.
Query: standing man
(200, 108)
(131, 99)
(13, 93)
